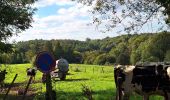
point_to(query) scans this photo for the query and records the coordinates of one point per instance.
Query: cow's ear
(115, 64)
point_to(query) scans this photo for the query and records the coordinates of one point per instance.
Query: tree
(58, 50)
(159, 45)
(123, 59)
(15, 17)
(135, 56)
(48, 47)
(167, 57)
(5, 47)
(128, 15)
(100, 60)
(29, 55)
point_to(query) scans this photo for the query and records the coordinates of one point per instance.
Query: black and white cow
(31, 72)
(145, 80)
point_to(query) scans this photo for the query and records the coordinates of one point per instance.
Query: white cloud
(44, 3)
(67, 23)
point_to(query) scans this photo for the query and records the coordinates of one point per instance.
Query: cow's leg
(126, 96)
(2, 85)
(118, 97)
(117, 94)
(167, 96)
(119, 89)
(33, 79)
(145, 97)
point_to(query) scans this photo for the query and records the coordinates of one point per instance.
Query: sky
(62, 19)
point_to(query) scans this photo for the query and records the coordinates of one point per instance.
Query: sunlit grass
(100, 79)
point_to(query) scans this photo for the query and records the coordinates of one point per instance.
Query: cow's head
(118, 73)
(4, 72)
(122, 71)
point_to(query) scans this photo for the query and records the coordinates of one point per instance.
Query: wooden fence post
(85, 69)
(102, 70)
(10, 87)
(26, 89)
(93, 69)
(49, 95)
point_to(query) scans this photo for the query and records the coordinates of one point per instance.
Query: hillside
(124, 49)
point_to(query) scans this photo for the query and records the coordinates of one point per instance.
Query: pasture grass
(97, 78)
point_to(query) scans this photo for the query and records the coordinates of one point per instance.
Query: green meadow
(99, 80)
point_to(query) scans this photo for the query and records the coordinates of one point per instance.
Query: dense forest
(124, 49)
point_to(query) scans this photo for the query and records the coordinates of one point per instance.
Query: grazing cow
(145, 80)
(2, 77)
(31, 72)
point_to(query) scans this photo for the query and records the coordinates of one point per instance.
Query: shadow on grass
(70, 80)
(97, 95)
(17, 97)
(108, 94)
(83, 79)
(70, 74)
(62, 95)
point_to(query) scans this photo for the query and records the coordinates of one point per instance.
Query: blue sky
(63, 19)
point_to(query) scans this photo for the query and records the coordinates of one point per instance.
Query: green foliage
(16, 16)
(29, 55)
(5, 47)
(123, 59)
(58, 50)
(135, 57)
(89, 57)
(48, 47)
(158, 45)
(100, 60)
(125, 49)
(77, 57)
(167, 56)
(130, 15)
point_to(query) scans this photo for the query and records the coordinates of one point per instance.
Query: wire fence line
(97, 69)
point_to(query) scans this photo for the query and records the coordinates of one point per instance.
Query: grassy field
(99, 79)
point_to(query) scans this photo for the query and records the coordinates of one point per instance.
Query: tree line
(124, 49)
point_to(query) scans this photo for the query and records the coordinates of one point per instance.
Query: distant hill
(124, 49)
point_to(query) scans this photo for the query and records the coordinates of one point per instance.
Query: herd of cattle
(144, 79)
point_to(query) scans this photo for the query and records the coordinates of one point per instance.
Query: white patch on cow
(118, 66)
(168, 71)
(128, 87)
(129, 69)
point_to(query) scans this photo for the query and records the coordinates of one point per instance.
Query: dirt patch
(17, 91)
